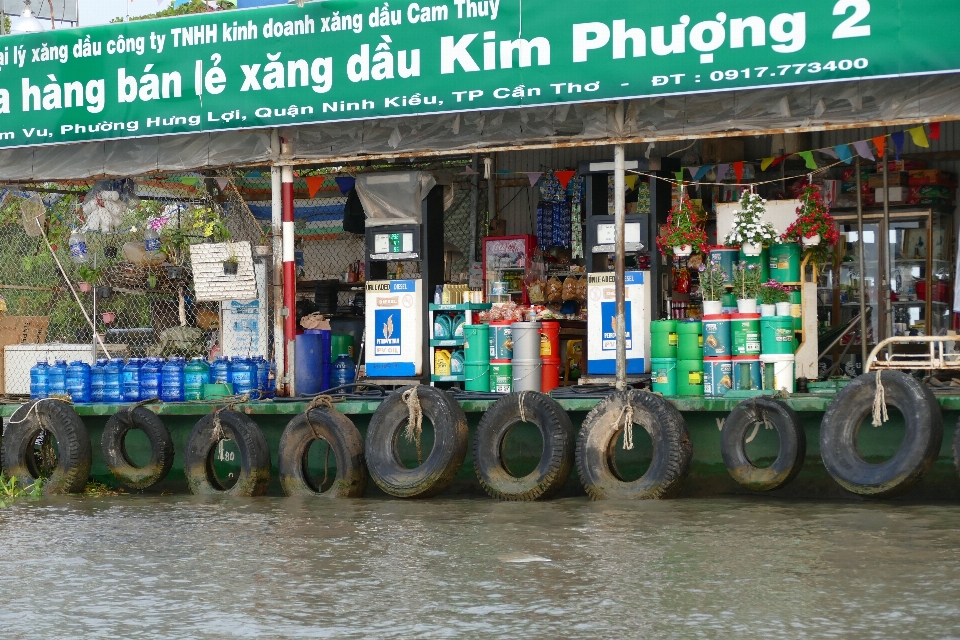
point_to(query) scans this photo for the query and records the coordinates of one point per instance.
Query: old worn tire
(254, 456)
(344, 440)
(115, 451)
(917, 454)
(74, 454)
(733, 448)
(444, 461)
(556, 461)
(598, 438)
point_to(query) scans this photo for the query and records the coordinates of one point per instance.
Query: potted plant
(683, 233)
(746, 286)
(230, 266)
(109, 317)
(814, 224)
(712, 288)
(772, 296)
(749, 231)
(88, 278)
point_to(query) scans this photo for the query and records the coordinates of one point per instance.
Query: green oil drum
(796, 310)
(476, 344)
(690, 377)
(663, 374)
(745, 334)
(762, 261)
(776, 335)
(747, 373)
(690, 340)
(726, 257)
(342, 343)
(501, 377)
(717, 376)
(785, 263)
(716, 337)
(476, 377)
(663, 339)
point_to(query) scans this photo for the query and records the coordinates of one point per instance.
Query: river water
(183, 567)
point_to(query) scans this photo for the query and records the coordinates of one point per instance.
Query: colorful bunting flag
(844, 153)
(738, 171)
(919, 136)
(190, 182)
(702, 172)
(765, 163)
(564, 177)
(254, 174)
(533, 176)
(222, 183)
(469, 171)
(679, 177)
(808, 158)
(898, 140)
(829, 153)
(934, 130)
(631, 180)
(722, 171)
(880, 142)
(313, 184)
(345, 183)
(780, 159)
(693, 172)
(863, 150)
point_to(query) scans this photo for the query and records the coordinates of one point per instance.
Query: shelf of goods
(446, 339)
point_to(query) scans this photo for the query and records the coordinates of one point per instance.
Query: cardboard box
(903, 165)
(932, 176)
(931, 191)
(850, 188)
(894, 179)
(897, 194)
(850, 175)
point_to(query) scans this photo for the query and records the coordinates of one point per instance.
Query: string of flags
(843, 152)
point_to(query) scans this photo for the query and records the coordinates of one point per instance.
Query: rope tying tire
(33, 409)
(218, 432)
(760, 415)
(414, 429)
(879, 404)
(626, 415)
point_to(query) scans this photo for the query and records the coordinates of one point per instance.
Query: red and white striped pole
(289, 274)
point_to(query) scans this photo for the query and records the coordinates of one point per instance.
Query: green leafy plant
(712, 277)
(683, 228)
(748, 224)
(813, 218)
(89, 274)
(208, 222)
(772, 292)
(11, 490)
(746, 280)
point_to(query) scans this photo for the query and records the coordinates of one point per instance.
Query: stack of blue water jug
(172, 379)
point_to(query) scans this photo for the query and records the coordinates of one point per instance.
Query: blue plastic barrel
(57, 378)
(97, 373)
(78, 381)
(150, 378)
(171, 380)
(309, 364)
(40, 380)
(113, 381)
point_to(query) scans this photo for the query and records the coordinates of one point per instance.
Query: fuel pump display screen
(606, 233)
(393, 242)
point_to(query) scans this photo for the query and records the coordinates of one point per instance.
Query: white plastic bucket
(778, 372)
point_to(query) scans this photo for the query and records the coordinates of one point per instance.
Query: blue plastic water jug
(344, 371)
(97, 373)
(40, 380)
(131, 380)
(57, 378)
(78, 381)
(150, 378)
(113, 381)
(171, 385)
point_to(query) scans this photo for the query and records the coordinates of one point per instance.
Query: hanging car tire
(115, 454)
(793, 444)
(556, 461)
(254, 476)
(597, 441)
(74, 454)
(921, 443)
(342, 437)
(441, 466)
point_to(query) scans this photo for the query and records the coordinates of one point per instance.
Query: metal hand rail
(936, 358)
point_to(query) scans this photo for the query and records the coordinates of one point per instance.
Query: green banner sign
(344, 60)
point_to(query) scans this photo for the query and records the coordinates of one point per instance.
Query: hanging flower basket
(751, 249)
(174, 273)
(683, 233)
(749, 231)
(230, 268)
(85, 287)
(814, 224)
(109, 317)
(104, 292)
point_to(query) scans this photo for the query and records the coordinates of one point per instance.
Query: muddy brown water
(183, 567)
